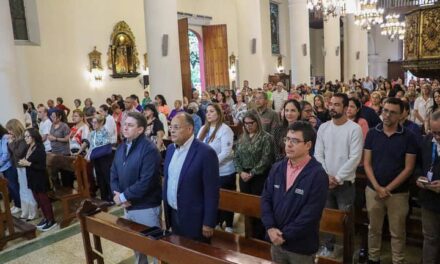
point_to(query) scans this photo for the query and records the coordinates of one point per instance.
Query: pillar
(251, 66)
(165, 73)
(299, 41)
(332, 49)
(10, 99)
(355, 49)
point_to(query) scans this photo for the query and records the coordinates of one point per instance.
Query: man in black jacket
(135, 178)
(428, 172)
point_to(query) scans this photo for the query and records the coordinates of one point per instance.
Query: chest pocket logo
(299, 191)
(276, 186)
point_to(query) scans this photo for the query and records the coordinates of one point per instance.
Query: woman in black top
(154, 130)
(37, 179)
(320, 110)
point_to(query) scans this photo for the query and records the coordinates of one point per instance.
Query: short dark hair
(104, 107)
(344, 98)
(394, 101)
(35, 134)
(141, 121)
(134, 97)
(60, 100)
(309, 133)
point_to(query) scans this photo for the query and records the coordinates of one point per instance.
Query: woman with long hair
(18, 148)
(290, 114)
(221, 98)
(162, 106)
(354, 114)
(435, 106)
(253, 159)
(320, 109)
(9, 170)
(220, 137)
(34, 115)
(155, 129)
(37, 179)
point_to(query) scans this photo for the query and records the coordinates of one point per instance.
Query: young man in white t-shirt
(338, 148)
(45, 126)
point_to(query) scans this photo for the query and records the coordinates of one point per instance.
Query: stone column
(299, 41)
(165, 73)
(355, 49)
(332, 49)
(10, 98)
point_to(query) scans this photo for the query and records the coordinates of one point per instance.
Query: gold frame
(95, 60)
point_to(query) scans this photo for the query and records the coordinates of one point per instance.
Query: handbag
(101, 151)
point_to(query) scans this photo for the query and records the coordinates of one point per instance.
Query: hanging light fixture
(392, 27)
(368, 14)
(327, 7)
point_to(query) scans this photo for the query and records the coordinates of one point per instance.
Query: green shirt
(269, 119)
(255, 155)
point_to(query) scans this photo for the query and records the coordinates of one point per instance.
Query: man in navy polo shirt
(389, 159)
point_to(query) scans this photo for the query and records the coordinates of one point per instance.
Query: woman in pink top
(162, 106)
(354, 113)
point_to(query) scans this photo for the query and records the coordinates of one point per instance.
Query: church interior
(78, 49)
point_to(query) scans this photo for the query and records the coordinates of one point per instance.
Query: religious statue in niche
(122, 53)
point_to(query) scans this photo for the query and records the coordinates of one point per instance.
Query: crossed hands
(276, 236)
(117, 200)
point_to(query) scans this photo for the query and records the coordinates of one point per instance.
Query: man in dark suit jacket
(191, 184)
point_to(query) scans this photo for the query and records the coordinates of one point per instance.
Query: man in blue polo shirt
(389, 159)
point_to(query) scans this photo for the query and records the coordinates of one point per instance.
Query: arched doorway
(196, 61)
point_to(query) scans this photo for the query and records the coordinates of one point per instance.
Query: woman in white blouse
(220, 137)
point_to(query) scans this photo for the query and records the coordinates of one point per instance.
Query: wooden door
(215, 45)
(184, 58)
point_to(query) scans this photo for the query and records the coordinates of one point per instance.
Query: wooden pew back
(171, 249)
(333, 221)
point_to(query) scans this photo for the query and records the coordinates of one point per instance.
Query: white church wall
(380, 50)
(69, 30)
(316, 51)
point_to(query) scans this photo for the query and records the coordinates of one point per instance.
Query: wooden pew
(335, 222)
(70, 198)
(171, 249)
(10, 227)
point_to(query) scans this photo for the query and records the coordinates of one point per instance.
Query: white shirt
(422, 107)
(45, 130)
(110, 126)
(279, 98)
(222, 144)
(164, 121)
(339, 149)
(27, 120)
(174, 170)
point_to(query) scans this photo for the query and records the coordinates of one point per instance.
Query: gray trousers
(149, 217)
(342, 198)
(431, 234)
(281, 256)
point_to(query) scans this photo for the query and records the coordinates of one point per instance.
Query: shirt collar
(399, 130)
(187, 144)
(300, 164)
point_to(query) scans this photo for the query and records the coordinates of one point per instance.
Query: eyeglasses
(175, 127)
(293, 141)
(389, 112)
(249, 123)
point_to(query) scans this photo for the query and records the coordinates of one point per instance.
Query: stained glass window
(18, 16)
(194, 60)
(274, 28)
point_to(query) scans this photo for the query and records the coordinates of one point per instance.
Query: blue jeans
(13, 187)
(149, 217)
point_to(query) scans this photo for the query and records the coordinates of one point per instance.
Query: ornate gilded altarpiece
(122, 52)
(422, 42)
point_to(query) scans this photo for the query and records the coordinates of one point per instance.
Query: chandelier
(369, 14)
(392, 27)
(327, 7)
